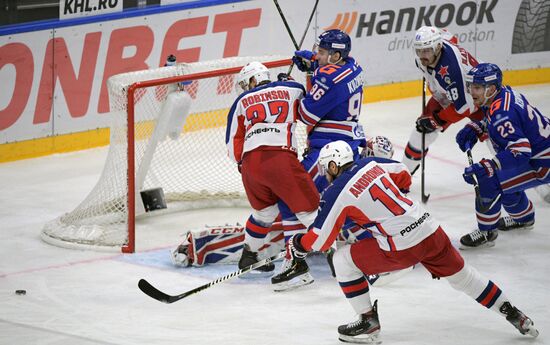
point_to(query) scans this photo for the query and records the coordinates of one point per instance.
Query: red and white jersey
(263, 116)
(447, 80)
(369, 195)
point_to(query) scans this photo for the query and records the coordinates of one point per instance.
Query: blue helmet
(335, 40)
(485, 74)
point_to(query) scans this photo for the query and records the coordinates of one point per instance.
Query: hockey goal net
(168, 133)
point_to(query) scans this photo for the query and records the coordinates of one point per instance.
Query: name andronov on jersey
(364, 181)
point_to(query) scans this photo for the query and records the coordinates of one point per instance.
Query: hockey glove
(294, 249)
(305, 60)
(467, 137)
(484, 169)
(284, 77)
(428, 124)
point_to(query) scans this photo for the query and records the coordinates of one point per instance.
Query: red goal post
(163, 121)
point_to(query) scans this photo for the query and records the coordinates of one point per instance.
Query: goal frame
(130, 111)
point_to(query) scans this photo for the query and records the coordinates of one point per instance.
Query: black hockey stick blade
(425, 197)
(155, 293)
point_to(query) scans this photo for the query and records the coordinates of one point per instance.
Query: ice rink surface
(83, 297)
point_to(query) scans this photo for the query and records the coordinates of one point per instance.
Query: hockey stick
(155, 293)
(296, 45)
(479, 202)
(423, 153)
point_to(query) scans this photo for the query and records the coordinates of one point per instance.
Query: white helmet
(378, 146)
(252, 69)
(338, 152)
(427, 37)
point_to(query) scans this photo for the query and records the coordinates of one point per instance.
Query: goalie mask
(252, 69)
(378, 146)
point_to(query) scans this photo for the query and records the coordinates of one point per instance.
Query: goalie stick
(479, 202)
(296, 45)
(155, 293)
(423, 153)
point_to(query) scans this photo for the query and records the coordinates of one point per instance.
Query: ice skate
(293, 274)
(366, 330)
(519, 320)
(478, 239)
(508, 223)
(248, 258)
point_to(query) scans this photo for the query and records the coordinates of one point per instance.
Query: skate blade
(362, 339)
(531, 330)
(484, 245)
(256, 275)
(296, 282)
(523, 228)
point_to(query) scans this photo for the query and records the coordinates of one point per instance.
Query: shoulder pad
(502, 103)
(329, 70)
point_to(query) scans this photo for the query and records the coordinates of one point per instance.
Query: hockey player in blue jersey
(444, 65)
(520, 137)
(331, 110)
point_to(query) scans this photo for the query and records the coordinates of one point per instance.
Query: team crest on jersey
(443, 71)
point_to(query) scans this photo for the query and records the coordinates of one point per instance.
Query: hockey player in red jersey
(331, 109)
(443, 65)
(368, 192)
(260, 138)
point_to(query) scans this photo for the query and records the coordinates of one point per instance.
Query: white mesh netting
(186, 157)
